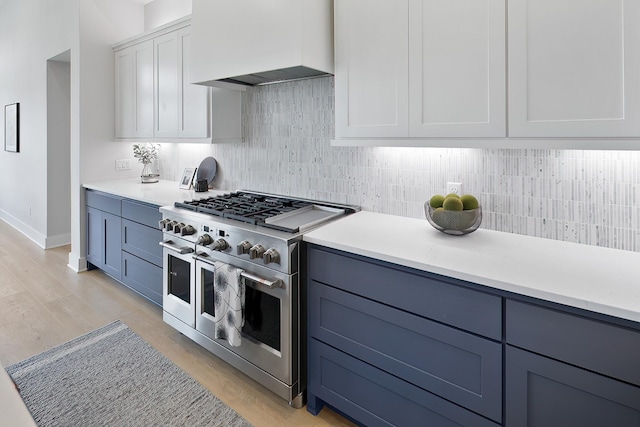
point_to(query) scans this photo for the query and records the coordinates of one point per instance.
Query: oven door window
(179, 278)
(208, 293)
(262, 317)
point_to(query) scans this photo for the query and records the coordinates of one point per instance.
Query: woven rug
(112, 377)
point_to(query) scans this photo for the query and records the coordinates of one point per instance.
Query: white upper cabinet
(371, 80)
(154, 99)
(574, 68)
(457, 68)
(134, 91)
(420, 68)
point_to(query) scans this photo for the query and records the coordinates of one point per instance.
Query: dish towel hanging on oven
(228, 302)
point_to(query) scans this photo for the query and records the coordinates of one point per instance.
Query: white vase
(147, 176)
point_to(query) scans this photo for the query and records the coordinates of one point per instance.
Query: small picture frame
(12, 128)
(187, 178)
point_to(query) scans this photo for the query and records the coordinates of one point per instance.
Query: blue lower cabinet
(373, 397)
(104, 243)
(382, 357)
(542, 392)
(123, 240)
(143, 277)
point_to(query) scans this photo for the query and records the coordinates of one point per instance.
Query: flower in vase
(146, 153)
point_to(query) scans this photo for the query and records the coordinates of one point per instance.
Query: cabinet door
(95, 241)
(574, 68)
(371, 70)
(542, 392)
(104, 243)
(167, 85)
(457, 68)
(112, 244)
(193, 119)
(134, 91)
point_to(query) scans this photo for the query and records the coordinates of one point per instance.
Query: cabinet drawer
(143, 277)
(460, 367)
(142, 213)
(598, 346)
(426, 295)
(375, 398)
(142, 241)
(103, 202)
(544, 392)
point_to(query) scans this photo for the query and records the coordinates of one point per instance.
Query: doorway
(58, 150)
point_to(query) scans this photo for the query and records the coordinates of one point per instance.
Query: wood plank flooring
(44, 303)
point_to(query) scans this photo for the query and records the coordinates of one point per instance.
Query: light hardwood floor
(44, 303)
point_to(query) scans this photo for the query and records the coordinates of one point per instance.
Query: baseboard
(77, 263)
(58, 240)
(33, 235)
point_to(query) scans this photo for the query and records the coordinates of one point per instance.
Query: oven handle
(271, 284)
(172, 247)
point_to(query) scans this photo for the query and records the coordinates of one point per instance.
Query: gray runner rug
(112, 377)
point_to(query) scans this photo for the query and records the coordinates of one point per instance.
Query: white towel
(228, 288)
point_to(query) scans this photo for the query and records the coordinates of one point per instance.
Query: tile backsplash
(589, 197)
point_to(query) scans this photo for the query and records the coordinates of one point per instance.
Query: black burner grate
(246, 207)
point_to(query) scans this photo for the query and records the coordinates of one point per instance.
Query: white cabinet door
(193, 120)
(167, 85)
(371, 76)
(574, 68)
(457, 68)
(134, 91)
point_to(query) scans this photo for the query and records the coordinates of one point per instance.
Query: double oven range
(259, 236)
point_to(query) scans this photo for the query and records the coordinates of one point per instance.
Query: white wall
(29, 31)
(160, 12)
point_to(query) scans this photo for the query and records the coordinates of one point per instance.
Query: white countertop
(159, 193)
(598, 279)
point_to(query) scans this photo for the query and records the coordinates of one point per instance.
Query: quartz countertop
(159, 193)
(593, 278)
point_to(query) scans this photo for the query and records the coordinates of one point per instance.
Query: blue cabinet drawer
(104, 202)
(143, 277)
(142, 213)
(417, 292)
(376, 398)
(601, 347)
(455, 365)
(142, 241)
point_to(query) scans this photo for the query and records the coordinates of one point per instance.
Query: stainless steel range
(257, 236)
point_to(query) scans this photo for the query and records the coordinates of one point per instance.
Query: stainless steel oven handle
(271, 284)
(171, 246)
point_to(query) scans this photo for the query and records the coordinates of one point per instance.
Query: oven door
(269, 336)
(178, 290)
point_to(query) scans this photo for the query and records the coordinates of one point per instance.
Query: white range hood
(251, 42)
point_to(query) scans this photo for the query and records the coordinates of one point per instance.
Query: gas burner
(247, 207)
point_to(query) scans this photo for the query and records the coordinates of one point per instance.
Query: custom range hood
(254, 42)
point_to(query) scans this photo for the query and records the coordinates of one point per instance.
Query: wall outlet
(454, 187)
(123, 164)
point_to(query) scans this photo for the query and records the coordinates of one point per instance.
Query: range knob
(219, 245)
(256, 251)
(178, 227)
(163, 223)
(204, 240)
(271, 255)
(243, 247)
(169, 226)
(188, 230)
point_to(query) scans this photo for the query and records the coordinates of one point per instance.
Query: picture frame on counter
(187, 178)
(12, 127)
